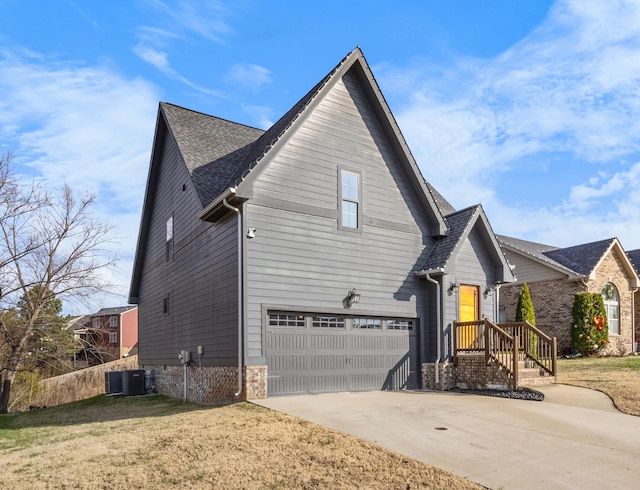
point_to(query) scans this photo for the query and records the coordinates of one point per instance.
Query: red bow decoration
(598, 322)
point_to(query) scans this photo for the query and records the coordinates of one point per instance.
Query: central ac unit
(113, 383)
(133, 382)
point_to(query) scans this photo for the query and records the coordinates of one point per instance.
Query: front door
(469, 312)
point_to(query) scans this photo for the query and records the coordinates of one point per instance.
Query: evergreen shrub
(590, 330)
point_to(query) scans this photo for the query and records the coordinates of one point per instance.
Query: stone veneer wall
(553, 300)
(471, 373)
(637, 314)
(210, 385)
(612, 270)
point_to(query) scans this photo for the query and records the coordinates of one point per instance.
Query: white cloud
(154, 57)
(87, 126)
(581, 196)
(204, 18)
(560, 106)
(179, 22)
(250, 76)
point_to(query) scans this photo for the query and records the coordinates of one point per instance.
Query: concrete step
(537, 381)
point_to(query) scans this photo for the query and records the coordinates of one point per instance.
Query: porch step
(532, 376)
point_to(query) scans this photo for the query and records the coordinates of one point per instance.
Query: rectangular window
(399, 324)
(96, 322)
(165, 305)
(328, 322)
(283, 320)
(169, 240)
(113, 337)
(350, 199)
(613, 319)
(113, 321)
(368, 323)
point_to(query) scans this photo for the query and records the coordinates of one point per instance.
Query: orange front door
(469, 312)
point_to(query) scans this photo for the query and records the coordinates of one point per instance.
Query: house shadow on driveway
(574, 439)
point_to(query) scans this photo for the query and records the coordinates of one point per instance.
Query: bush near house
(590, 330)
(526, 313)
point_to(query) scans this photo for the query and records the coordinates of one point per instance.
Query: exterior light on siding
(251, 233)
(353, 297)
(452, 287)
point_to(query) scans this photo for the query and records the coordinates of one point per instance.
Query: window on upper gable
(350, 204)
(165, 305)
(169, 240)
(611, 301)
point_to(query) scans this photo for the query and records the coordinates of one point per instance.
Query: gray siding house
(307, 258)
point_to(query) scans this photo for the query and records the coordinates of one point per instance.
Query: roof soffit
(149, 194)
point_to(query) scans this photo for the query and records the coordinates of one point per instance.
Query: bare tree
(50, 245)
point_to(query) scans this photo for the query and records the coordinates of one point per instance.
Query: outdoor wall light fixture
(452, 287)
(487, 291)
(353, 297)
(251, 233)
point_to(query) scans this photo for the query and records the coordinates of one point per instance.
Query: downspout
(497, 318)
(185, 382)
(240, 291)
(427, 276)
(634, 344)
(438, 327)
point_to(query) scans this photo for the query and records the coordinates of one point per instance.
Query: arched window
(612, 307)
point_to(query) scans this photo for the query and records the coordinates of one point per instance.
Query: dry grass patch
(157, 442)
(618, 377)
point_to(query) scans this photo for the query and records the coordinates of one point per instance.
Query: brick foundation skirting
(209, 385)
(446, 376)
(471, 373)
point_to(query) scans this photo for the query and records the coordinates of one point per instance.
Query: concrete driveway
(574, 439)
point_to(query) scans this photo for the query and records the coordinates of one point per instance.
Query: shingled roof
(578, 260)
(443, 205)
(460, 224)
(582, 259)
(213, 149)
(444, 247)
(634, 257)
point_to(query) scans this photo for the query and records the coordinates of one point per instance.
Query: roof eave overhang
(634, 280)
(569, 273)
(430, 272)
(217, 209)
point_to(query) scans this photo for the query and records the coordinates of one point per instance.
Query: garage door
(323, 353)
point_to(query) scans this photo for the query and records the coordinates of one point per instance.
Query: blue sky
(529, 107)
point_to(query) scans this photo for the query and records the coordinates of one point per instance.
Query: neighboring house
(78, 325)
(306, 258)
(634, 257)
(109, 334)
(554, 275)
